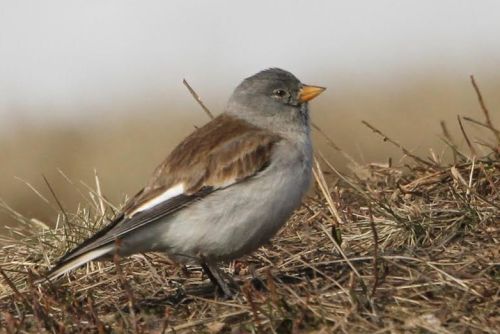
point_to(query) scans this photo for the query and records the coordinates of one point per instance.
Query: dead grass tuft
(406, 248)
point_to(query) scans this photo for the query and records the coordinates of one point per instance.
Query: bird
(225, 190)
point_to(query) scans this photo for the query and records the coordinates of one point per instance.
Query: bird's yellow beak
(309, 92)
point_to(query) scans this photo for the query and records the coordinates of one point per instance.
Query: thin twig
(320, 180)
(198, 99)
(450, 140)
(99, 193)
(12, 285)
(469, 144)
(484, 109)
(375, 252)
(39, 194)
(398, 145)
(59, 204)
(332, 144)
(472, 120)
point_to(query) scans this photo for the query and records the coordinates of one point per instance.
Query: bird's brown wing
(224, 152)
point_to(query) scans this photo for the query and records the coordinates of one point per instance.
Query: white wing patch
(163, 197)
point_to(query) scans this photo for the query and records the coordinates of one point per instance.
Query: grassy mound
(408, 248)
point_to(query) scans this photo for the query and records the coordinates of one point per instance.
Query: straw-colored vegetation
(398, 247)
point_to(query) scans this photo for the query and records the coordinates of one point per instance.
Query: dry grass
(406, 248)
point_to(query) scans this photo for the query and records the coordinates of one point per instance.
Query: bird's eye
(279, 93)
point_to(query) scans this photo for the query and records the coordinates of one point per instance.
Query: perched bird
(226, 189)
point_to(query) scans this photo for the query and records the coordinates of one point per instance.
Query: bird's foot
(216, 276)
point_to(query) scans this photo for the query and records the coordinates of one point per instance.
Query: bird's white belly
(237, 220)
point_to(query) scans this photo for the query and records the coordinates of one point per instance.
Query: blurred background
(97, 85)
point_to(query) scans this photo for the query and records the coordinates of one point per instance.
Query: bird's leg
(215, 276)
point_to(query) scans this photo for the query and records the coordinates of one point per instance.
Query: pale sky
(69, 56)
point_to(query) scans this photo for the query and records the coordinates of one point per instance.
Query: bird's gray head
(273, 98)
